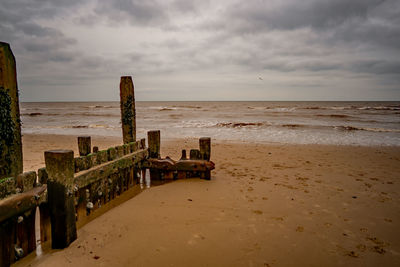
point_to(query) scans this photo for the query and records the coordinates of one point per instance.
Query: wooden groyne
(69, 189)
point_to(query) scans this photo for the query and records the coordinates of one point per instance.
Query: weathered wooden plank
(120, 151)
(26, 236)
(8, 187)
(7, 233)
(101, 157)
(153, 137)
(42, 176)
(17, 204)
(205, 148)
(195, 154)
(26, 181)
(183, 157)
(87, 177)
(45, 224)
(181, 165)
(142, 143)
(134, 146)
(84, 145)
(60, 168)
(10, 123)
(128, 112)
(111, 153)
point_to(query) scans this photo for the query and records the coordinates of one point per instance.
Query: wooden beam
(181, 165)
(98, 172)
(17, 204)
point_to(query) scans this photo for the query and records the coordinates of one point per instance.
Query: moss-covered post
(205, 148)
(84, 145)
(153, 138)
(10, 124)
(60, 169)
(128, 113)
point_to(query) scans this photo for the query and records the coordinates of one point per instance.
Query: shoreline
(266, 205)
(50, 141)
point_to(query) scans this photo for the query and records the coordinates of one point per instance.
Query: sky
(183, 50)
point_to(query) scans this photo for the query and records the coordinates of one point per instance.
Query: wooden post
(7, 233)
(60, 169)
(183, 157)
(95, 149)
(128, 113)
(195, 154)
(45, 223)
(153, 138)
(205, 148)
(10, 124)
(84, 145)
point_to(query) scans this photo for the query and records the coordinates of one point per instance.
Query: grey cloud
(288, 15)
(307, 39)
(137, 12)
(377, 67)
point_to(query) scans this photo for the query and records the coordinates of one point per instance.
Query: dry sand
(266, 205)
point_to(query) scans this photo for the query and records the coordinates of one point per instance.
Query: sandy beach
(266, 205)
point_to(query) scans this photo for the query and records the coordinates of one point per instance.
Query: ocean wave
(166, 109)
(380, 108)
(32, 114)
(86, 114)
(377, 108)
(238, 124)
(99, 106)
(348, 128)
(339, 116)
(187, 107)
(279, 109)
(368, 129)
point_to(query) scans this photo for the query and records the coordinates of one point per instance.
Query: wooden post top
(60, 166)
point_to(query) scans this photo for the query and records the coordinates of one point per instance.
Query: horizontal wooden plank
(180, 165)
(98, 172)
(19, 203)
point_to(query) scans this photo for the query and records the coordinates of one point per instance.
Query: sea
(334, 123)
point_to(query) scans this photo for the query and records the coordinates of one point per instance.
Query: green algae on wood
(10, 124)
(128, 113)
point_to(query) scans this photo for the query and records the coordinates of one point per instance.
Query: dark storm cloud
(349, 29)
(19, 26)
(307, 38)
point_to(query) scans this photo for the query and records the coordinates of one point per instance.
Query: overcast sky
(76, 50)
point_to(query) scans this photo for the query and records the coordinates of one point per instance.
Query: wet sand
(266, 205)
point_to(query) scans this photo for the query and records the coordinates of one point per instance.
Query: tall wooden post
(153, 138)
(205, 148)
(84, 145)
(10, 124)
(128, 113)
(60, 169)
